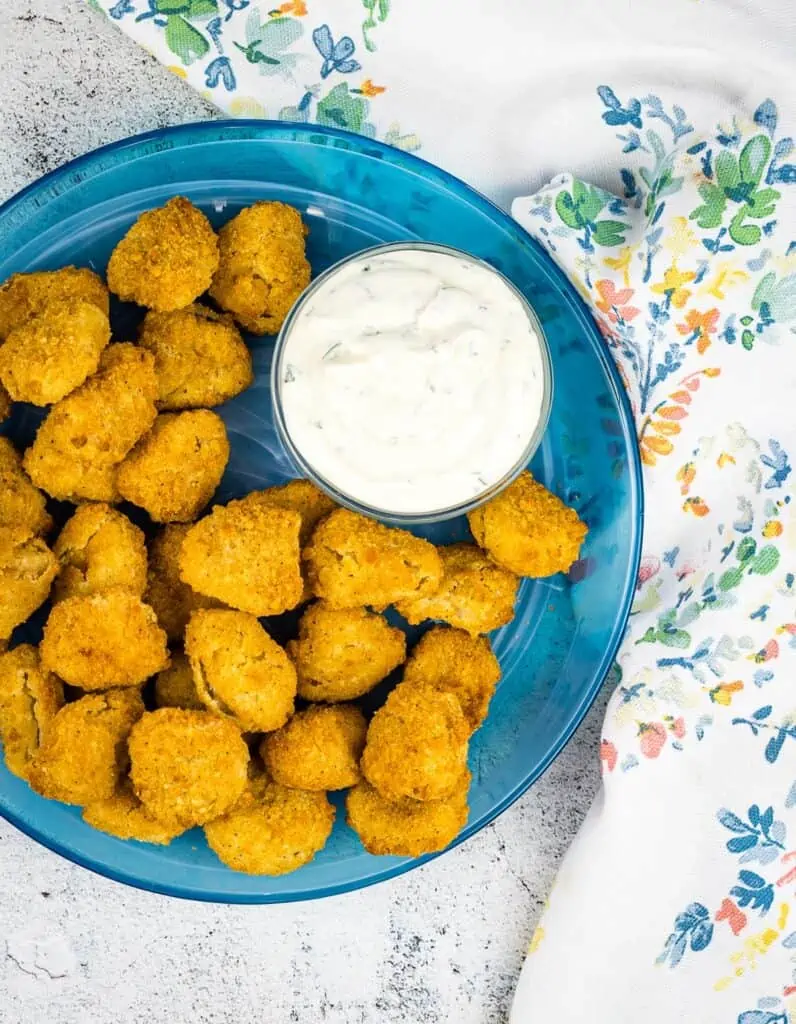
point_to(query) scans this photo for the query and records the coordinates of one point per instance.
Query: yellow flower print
(536, 941)
(369, 89)
(622, 262)
(680, 239)
(725, 459)
(178, 71)
(673, 285)
(247, 106)
(726, 276)
(773, 528)
(722, 694)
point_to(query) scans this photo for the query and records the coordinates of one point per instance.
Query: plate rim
(425, 169)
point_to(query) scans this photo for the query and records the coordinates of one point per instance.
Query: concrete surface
(442, 945)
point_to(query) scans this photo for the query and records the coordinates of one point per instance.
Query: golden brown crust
(454, 662)
(475, 594)
(99, 549)
(301, 496)
(187, 767)
(262, 268)
(22, 506)
(175, 686)
(273, 830)
(417, 744)
(353, 561)
(49, 356)
(87, 433)
(319, 749)
(343, 653)
(406, 828)
(200, 357)
(27, 570)
(84, 752)
(30, 697)
(172, 600)
(174, 469)
(103, 640)
(123, 815)
(247, 556)
(167, 259)
(528, 530)
(239, 671)
(25, 296)
(5, 404)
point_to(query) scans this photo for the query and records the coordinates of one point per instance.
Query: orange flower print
(686, 475)
(613, 303)
(369, 89)
(652, 738)
(729, 912)
(608, 755)
(773, 528)
(672, 285)
(699, 327)
(696, 506)
(295, 7)
(722, 694)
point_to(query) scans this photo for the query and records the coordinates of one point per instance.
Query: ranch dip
(412, 380)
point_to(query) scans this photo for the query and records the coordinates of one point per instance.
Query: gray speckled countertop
(440, 945)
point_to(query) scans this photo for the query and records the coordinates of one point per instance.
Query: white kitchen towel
(676, 902)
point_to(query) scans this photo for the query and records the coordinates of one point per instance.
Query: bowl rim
(252, 128)
(305, 467)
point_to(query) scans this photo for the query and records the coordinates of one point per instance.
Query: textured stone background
(440, 945)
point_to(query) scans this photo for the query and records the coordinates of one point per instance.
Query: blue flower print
(220, 70)
(754, 891)
(336, 56)
(759, 838)
(691, 928)
(616, 114)
(118, 11)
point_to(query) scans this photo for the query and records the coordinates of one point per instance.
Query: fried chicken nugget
(99, 549)
(247, 556)
(25, 296)
(175, 686)
(174, 469)
(5, 404)
(167, 258)
(342, 653)
(353, 561)
(239, 671)
(173, 600)
(87, 433)
(21, 504)
(452, 661)
(84, 752)
(319, 749)
(30, 697)
(27, 570)
(104, 639)
(272, 830)
(187, 767)
(263, 267)
(47, 357)
(406, 828)
(123, 815)
(475, 594)
(200, 357)
(528, 530)
(417, 744)
(301, 496)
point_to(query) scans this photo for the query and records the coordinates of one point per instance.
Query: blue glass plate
(355, 193)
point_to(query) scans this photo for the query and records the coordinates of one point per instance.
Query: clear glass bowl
(355, 193)
(305, 468)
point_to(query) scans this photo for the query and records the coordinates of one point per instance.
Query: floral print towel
(677, 902)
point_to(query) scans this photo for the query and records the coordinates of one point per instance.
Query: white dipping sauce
(412, 381)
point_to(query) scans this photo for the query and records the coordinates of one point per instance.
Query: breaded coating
(21, 504)
(187, 767)
(342, 653)
(247, 556)
(47, 357)
(406, 828)
(303, 497)
(30, 697)
(454, 662)
(174, 469)
(200, 357)
(528, 530)
(25, 296)
(5, 404)
(475, 594)
(102, 640)
(167, 258)
(417, 744)
(99, 549)
(87, 433)
(353, 561)
(272, 830)
(239, 671)
(263, 268)
(123, 815)
(27, 570)
(84, 752)
(175, 686)
(319, 749)
(172, 599)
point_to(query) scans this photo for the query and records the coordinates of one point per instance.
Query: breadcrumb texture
(22, 506)
(172, 600)
(99, 549)
(319, 749)
(27, 570)
(124, 816)
(175, 686)
(30, 698)
(25, 296)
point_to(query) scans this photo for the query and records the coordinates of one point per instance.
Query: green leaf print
(747, 340)
(184, 40)
(339, 109)
(763, 202)
(731, 578)
(377, 13)
(763, 290)
(744, 234)
(766, 561)
(565, 208)
(609, 232)
(753, 159)
(710, 214)
(728, 174)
